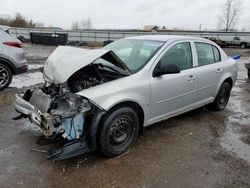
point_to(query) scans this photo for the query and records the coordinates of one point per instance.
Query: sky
(125, 14)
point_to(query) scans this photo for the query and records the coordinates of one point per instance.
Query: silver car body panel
(179, 96)
(5, 28)
(161, 97)
(59, 109)
(11, 54)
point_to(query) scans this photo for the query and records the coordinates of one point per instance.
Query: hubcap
(120, 131)
(4, 76)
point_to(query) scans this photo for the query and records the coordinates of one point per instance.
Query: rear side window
(207, 54)
(217, 57)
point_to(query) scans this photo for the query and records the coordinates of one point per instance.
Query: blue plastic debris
(73, 127)
(236, 57)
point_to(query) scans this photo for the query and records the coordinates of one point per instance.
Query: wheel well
(137, 108)
(230, 81)
(8, 65)
(243, 43)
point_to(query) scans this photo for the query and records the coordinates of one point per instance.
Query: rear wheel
(243, 46)
(118, 132)
(5, 76)
(222, 98)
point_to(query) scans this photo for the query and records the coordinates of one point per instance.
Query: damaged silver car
(104, 98)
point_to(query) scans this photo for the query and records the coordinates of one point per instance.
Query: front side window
(179, 55)
(207, 54)
(135, 53)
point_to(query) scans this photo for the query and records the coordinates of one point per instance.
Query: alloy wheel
(4, 76)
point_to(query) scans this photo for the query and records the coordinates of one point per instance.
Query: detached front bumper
(34, 114)
(24, 107)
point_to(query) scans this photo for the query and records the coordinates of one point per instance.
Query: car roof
(5, 36)
(4, 27)
(165, 38)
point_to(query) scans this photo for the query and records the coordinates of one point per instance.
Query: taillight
(14, 44)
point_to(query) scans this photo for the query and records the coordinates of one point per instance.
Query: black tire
(5, 76)
(222, 97)
(118, 132)
(248, 73)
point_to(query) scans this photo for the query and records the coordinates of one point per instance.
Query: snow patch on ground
(27, 79)
(35, 66)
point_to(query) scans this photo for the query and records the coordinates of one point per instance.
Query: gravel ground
(201, 148)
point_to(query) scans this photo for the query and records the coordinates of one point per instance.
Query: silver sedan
(104, 98)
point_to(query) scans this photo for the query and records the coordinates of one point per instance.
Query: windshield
(134, 53)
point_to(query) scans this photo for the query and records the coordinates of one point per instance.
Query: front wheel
(5, 77)
(118, 132)
(222, 97)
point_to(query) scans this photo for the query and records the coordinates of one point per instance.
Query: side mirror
(166, 69)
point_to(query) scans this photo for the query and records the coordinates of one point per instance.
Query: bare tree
(230, 12)
(75, 25)
(18, 21)
(86, 23)
(5, 19)
(21, 21)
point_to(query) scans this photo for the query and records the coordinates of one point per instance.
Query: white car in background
(12, 60)
(104, 98)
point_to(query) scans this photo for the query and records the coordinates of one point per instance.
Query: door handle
(219, 71)
(191, 78)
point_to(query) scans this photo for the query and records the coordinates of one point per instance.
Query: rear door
(210, 71)
(174, 93)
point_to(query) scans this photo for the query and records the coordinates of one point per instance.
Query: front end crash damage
(60, 112)
(66, 116)
(60, 115)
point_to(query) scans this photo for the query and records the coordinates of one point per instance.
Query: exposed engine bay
(93, 75)
(59, 111)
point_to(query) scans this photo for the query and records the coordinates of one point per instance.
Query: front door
(174, 93)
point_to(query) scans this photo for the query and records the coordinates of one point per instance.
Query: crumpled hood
(65, 61)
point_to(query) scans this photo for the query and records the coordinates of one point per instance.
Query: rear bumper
(22, 69)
